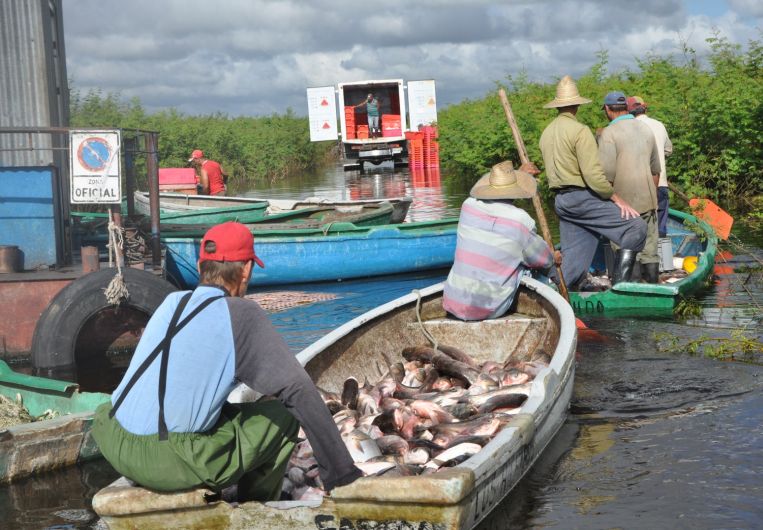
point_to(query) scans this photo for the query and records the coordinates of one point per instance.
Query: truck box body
(358, 145)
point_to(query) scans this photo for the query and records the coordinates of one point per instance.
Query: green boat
(688, 237)
(39, 446)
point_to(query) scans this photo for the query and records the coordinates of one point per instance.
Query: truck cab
(397, 114)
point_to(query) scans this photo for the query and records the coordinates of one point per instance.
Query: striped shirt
(496, 243)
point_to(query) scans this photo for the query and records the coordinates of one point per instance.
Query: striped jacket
(496, 243)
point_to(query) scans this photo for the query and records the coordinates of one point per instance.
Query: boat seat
(124, 504)
(516, 335)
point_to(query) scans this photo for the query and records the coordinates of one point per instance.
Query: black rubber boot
(636, 272)
(651, 272)
(623, 265)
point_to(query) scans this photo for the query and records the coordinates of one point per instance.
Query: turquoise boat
(689, 237)
(30, 448)
(336, 251)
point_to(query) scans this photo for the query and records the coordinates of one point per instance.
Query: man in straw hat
(168, 425)
(496, 243)
(585, 201)
(630, 159)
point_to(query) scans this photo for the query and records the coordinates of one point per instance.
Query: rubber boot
(623, 265)
(636, 272)
(651, 272)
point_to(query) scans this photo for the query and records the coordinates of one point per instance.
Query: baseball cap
(197, 153)
(233, 242)
(614, 98)
(634, 101)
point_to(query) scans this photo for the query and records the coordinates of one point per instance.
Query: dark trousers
(583, 218)
(663, 204)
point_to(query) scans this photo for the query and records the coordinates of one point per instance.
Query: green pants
(649, 253)
(250, 446)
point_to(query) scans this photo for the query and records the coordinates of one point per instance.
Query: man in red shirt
(212, 176)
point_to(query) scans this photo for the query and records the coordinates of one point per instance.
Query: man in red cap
(168, 425)
(212, 176)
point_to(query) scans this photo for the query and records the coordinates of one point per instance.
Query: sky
(257, 57)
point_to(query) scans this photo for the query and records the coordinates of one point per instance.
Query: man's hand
(529, 167)
(656, 179)
(626, 212)
(558, 257)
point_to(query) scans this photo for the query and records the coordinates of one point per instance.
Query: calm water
(653, 440)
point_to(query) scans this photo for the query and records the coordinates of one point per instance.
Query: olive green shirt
(571, 157)
(629, 156)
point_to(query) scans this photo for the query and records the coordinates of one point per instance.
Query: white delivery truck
(333, 113)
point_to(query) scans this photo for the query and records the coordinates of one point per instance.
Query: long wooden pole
(536, 199)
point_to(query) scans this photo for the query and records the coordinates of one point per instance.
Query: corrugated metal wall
(33, 85)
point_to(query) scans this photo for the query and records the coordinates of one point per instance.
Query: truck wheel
(79, 324)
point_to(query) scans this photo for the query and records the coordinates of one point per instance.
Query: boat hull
(457, 498)
(632, 298)
(40, 446)
(342, 252)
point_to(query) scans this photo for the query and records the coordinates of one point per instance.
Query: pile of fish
(434, 410)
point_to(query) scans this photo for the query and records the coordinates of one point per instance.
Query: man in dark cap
(168, 425)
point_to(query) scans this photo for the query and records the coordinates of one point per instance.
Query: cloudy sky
(254, 57)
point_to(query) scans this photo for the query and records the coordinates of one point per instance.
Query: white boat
(455, 498)
(180, 202)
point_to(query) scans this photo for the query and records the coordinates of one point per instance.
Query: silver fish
(457, 452)
(361, 446)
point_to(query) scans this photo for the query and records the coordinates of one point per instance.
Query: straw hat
(566, 95)
(504, 182)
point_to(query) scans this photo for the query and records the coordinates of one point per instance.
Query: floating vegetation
(13, 412)
(740, 345)
(687, 307)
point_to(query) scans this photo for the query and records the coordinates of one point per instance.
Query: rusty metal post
(152, 166)
(90, 259)
(129, 150)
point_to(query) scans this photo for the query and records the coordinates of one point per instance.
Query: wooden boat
(333, 252)
(40, 446)
(689, 237)
(456, 498)
(179, 202)
(312, 217)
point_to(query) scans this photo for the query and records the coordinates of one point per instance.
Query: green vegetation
(713, 115)
(249, 149)
(740, 345)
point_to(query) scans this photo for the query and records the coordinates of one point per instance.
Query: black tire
(56, 332)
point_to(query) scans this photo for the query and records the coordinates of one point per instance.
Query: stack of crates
(390, 125)
(415, 149)
(431, 146)
(362, 132)
(349, 122)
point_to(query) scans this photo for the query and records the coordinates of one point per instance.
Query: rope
(327, 227)
(424, 330)
(116, 291)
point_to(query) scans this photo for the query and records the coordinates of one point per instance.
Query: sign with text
(321, 110)
(95, 176)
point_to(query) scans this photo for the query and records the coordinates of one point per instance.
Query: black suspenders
(163, 349)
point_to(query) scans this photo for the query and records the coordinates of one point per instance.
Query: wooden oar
(718, 219)
(536, 199)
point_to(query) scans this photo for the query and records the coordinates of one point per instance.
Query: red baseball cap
(233, 242)
(197, 153)
(634, 102)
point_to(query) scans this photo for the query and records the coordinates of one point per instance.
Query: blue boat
(336, 251)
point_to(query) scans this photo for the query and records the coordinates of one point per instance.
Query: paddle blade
(712, 214)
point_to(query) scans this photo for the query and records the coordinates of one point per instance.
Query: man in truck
(372, 111)
(168, 425)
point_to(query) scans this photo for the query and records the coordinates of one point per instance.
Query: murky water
(654, 439)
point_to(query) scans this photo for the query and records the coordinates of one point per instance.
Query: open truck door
(321, 111)
(422, 103)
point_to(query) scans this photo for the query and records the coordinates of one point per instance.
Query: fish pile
(434, 410)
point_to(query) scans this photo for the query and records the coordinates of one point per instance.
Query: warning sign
(95, 176)
(321, 109)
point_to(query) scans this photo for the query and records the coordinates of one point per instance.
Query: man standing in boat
(168, 425)
(631, 162)
(496, 243)
(638, 108)
(212, 176)
(585, 201)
